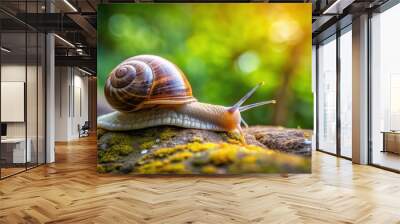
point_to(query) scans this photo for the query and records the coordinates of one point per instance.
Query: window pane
(346, 94)
(327, 96)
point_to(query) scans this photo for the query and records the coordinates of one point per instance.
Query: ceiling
(74, 21)
(332, 15)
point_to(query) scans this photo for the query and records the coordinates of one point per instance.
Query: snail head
(232, 115)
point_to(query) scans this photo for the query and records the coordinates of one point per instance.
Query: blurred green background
(224, 50)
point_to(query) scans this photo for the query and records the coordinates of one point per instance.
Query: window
(346, 93)
(327, 96)
(22, 75)
(385, 89)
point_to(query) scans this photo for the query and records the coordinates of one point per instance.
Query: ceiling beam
(89, 30)
(78, 61)
(337, 7)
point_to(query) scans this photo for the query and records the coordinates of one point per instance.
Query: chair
(84, 130)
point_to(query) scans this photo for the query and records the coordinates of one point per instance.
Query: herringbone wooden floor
(70, 191)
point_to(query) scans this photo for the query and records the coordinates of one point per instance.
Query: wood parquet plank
(70, 191)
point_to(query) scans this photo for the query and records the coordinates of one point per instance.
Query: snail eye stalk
(245, 97)
(238, 105)
(247, 107)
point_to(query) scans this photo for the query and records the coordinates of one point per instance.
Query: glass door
(14, 153)
(22, 78)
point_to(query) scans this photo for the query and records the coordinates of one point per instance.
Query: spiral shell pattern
(145, 81)
(129, 85)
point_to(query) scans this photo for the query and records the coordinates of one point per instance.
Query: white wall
(12, 73)
(71, 102)
(61, 103)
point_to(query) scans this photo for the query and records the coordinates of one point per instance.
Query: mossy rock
(220, 158)
(189, 151)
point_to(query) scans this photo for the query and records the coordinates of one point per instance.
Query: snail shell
(146, 81)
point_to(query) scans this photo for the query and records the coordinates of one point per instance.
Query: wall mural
(204, 88)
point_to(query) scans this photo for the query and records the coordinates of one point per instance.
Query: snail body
(149, 91)
(192, 115)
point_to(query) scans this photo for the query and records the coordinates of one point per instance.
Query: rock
(293, 141)
(173, 150)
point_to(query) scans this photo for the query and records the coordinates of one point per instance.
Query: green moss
(147, 144)
(107, 156)
(108, 168)
(167, 134)
(101, 169)
(113, 153)
(120, 139)
(121, 150)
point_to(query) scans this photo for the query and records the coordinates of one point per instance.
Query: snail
(148, 91)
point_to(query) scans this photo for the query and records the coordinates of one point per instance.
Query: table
(391, 141)
(13, 150)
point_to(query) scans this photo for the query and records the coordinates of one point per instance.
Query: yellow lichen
(180, 156)
(250, 159)
(223, 155)
(235, 137)
(200, 147)
(209, 169)
(178, 168)
(163, 152)
(150, 168)
(233, 141)
(197, 139)
(218, 157)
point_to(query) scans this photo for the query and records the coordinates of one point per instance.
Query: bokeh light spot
(248, 62)
(285, 30)
(118, 25)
